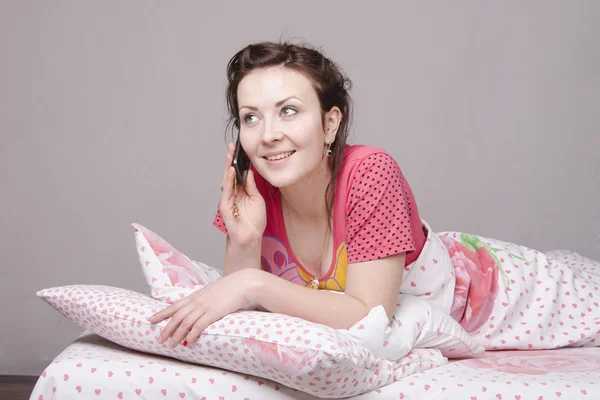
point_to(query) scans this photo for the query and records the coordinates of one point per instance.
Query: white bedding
(92, 367)
(509, 297)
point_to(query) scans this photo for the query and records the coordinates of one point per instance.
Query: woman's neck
(306, 198)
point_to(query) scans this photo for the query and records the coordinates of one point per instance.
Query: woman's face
(281, 125)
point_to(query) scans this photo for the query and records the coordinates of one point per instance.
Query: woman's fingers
(169, 311)
(228, 161)
(159, 316)
(186, 325)
(250, 186)
(227, 195)
(200, 326)
(174, 323)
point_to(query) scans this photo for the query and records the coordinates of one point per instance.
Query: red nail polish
(185, 342)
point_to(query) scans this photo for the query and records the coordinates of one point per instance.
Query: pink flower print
(477, 293)
(290, 361)
(178, 267)
(182, 277)
(538, 362)
(461, 290)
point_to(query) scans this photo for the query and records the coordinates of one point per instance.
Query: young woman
(316, 213)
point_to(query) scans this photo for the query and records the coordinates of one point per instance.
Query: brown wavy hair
(329, 81)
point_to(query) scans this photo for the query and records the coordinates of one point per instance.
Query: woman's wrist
(247, 250)
(247, 242)
(253, 283)
(242, 256)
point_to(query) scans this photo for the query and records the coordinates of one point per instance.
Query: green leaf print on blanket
(473, 243)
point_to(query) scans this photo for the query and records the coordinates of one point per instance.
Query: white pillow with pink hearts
(173, 275)
(170, 274)
(303, 355)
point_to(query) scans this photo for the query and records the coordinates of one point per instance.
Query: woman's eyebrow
(278, 104)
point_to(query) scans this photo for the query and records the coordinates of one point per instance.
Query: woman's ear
(331, 124)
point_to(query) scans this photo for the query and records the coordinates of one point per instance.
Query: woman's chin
(277, 180)
(279, 183)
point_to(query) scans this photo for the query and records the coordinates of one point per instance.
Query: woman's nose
(271, 132)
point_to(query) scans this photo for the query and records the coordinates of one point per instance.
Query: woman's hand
(191, 315)
(252, 219)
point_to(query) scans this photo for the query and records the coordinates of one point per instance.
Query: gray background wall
(112, 112)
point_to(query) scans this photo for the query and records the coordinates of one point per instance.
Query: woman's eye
(287, 111)
(249, 118)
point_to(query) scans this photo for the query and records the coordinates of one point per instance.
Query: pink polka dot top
(375, 216)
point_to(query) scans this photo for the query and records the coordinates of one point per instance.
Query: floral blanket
(504, 295)
(512, 297)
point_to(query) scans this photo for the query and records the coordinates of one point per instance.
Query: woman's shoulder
(356, 154)
(364, 163)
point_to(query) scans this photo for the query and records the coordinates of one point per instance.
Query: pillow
(416, 323)
(170, 274)
(306, 356)
(428, 327)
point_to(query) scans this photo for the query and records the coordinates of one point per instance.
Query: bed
(93, 367)
(536, 301)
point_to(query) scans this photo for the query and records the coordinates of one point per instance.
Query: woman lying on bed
(325, 215)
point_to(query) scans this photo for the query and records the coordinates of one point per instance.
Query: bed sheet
(94, 368)
(566, 373)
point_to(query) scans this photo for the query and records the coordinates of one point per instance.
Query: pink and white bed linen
(95, 368)
(565, 373)
(300, 354)
(512, 297)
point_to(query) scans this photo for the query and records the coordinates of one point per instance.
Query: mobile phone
(240, 162)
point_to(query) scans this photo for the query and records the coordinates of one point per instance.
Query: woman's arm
(368, 284)
(236, 256)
